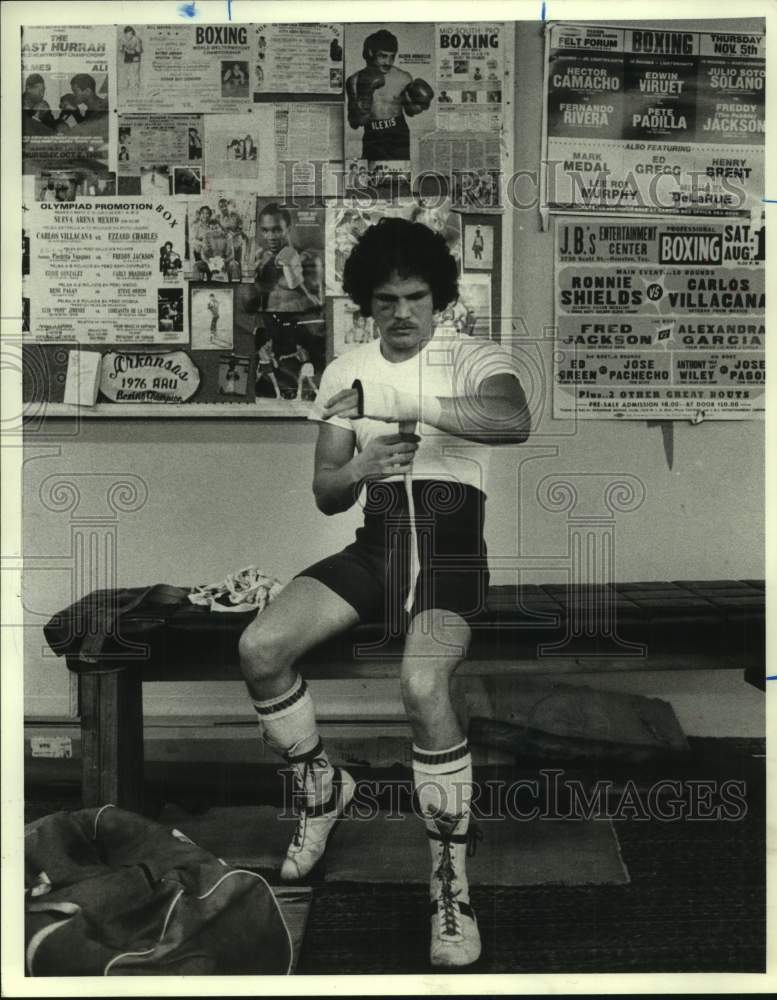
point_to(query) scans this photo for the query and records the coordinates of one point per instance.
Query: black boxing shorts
(386, 139)
(373, 573)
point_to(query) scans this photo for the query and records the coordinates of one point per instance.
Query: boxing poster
(107, 272)
(660, 318)
(150, 147)
(469, 60)
(642, 121)
(68, 92)
(177, 68)
(298, 59)
(286, 299)
(389, 100)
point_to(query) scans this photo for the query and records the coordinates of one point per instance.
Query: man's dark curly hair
(409, 249)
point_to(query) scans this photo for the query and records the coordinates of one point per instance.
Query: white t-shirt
(450, 364)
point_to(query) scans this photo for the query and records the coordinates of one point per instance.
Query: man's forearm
(489, 419)
(336, 489)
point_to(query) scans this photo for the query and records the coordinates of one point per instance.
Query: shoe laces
(304, 785)
(445, 873)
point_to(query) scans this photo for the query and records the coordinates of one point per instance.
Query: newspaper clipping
(658, 121)
(66, 99)
(184, 67)
(309, 150)
(659, 318)
(156, 144)
(292, 59)
(239, 151)
(107, 272)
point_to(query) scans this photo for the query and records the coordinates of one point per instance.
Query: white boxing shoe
(455, 940)
(314, 825)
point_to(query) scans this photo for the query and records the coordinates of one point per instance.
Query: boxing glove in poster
(389, 98)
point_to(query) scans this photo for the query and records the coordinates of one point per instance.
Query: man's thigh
(305, 613)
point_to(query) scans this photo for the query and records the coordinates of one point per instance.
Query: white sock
(288, 726)
(443, 785)
(443, 789)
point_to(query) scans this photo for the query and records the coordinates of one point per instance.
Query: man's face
(403, 311)
(383, 60)
(36, 91)
(81, 94)
(275, 232)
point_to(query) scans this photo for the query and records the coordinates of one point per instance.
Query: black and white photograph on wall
(155, 179)
(387, 596)
(170, 263)
(234, 79)
(222, 228)
(477, 190)
(347, 328)
(170, 310)
(187, 180)
(233, 375)
(130, 60)
(478, 247)
(211, 318)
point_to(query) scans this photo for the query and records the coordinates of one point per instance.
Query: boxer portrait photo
(382, 97)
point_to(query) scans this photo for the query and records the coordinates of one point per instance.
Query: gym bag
(108, 892)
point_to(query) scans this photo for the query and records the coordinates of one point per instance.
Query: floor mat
(392, 848)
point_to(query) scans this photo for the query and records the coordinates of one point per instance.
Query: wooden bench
(551, 629)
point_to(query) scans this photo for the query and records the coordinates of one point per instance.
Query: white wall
(224, 494)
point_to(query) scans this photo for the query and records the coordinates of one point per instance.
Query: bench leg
(111, 707)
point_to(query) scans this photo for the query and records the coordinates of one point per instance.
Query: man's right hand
(360, 87)
(387, 455)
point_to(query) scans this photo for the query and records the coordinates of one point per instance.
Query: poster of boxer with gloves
(390, 99)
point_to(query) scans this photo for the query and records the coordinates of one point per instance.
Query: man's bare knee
(424, 681)
(265, 651)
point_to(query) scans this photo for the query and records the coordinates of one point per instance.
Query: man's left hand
(380, 402)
